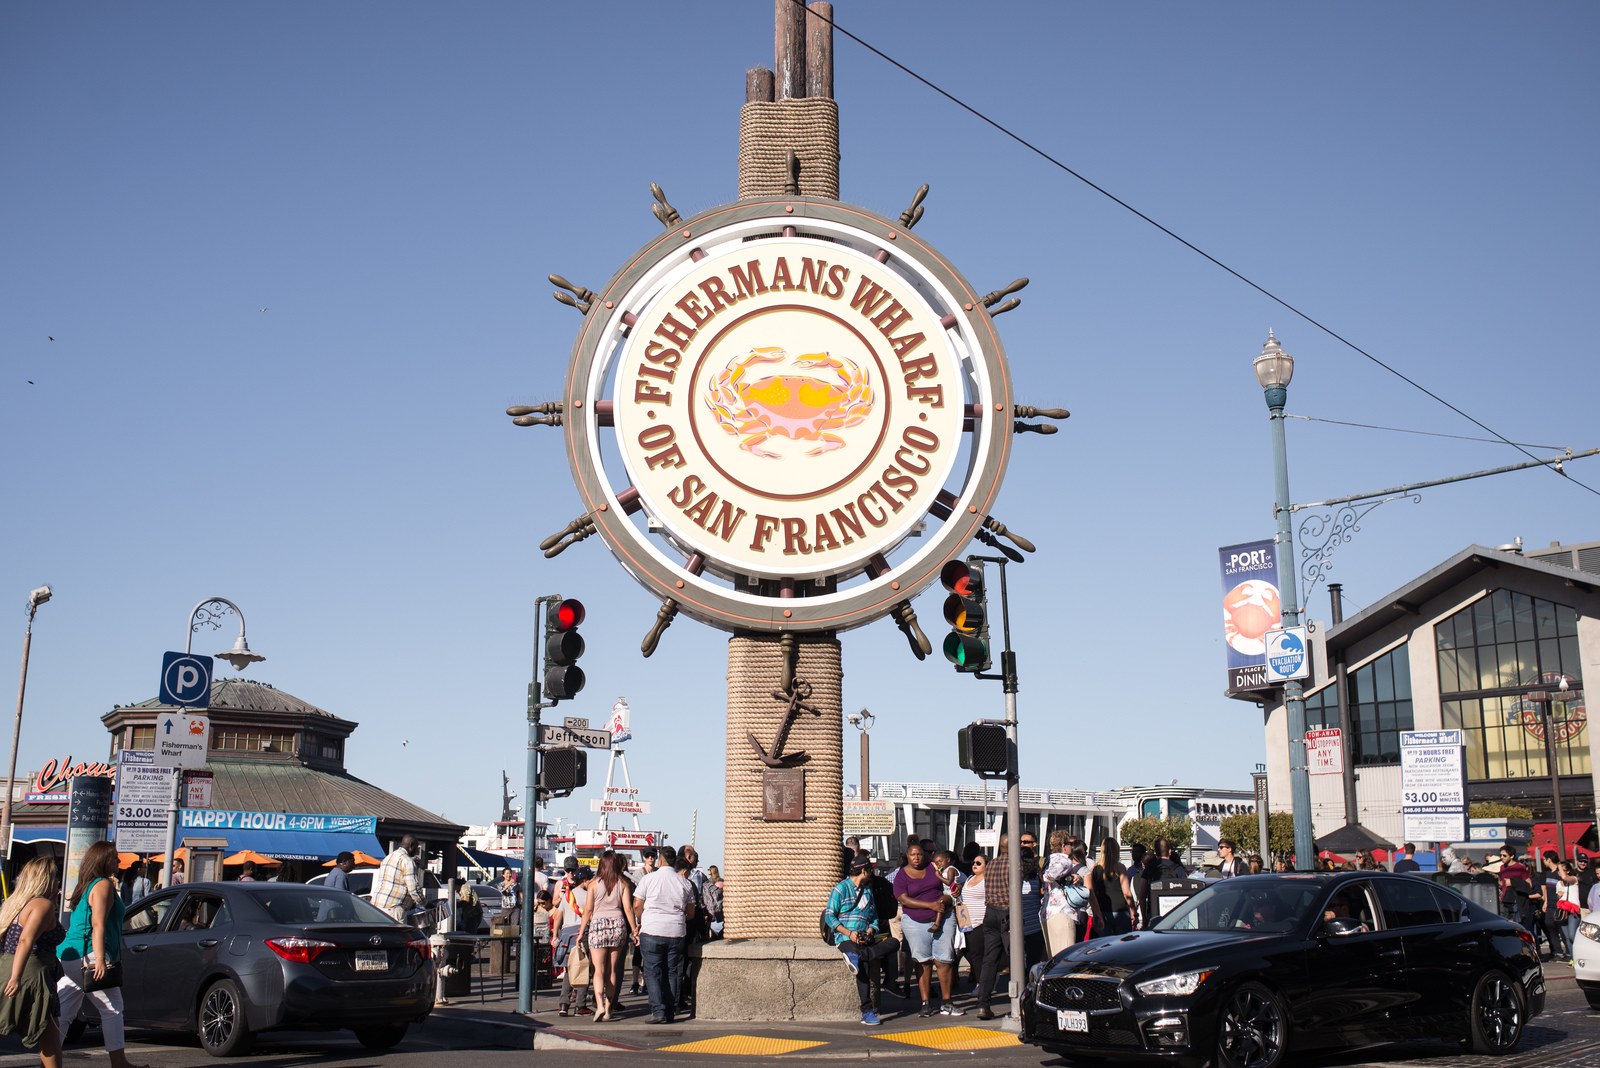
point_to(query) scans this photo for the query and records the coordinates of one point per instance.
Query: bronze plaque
(784, 790)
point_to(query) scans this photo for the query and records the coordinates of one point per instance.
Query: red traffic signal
(563, 645)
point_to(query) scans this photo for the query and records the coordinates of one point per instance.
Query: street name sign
(550, 734)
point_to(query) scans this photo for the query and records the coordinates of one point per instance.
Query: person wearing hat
(574, 901)
(852, 919)
(1211, 864)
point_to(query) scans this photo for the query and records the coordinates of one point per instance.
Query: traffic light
(967, 644)
(563, 769)
(984, 748)
(563, 645)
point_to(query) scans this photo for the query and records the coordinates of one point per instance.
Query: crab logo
(797, 405)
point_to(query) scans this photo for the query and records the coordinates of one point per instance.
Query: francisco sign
(768, 401)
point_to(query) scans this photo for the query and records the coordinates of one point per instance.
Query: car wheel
(1254, 1029)
(1498, 1015)
(384, 1037)
(1594, 998)
(221, 1027)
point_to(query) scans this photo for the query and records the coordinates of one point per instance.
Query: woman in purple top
(924, 905)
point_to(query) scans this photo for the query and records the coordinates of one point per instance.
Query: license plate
(378, 961)
(1070, 1020)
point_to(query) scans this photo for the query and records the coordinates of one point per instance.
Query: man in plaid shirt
(851, 919)
(398, 884)
(996, 924)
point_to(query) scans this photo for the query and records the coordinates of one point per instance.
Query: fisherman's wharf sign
(787, 414)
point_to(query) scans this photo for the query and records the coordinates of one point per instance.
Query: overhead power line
(1191, 246)
(1421, 433)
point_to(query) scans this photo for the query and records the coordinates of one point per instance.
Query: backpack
(827, 932)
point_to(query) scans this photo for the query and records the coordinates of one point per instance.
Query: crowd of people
(602, 919)
(905, 929)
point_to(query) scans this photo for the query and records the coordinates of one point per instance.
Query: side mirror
(1342, 927)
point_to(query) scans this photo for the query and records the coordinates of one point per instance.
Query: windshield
(1253, 905)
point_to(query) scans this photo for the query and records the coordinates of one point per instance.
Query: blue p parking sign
(186, 680)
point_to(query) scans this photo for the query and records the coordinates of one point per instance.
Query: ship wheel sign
(785, 415)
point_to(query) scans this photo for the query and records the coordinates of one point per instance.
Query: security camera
(39, 596)
(854, 719)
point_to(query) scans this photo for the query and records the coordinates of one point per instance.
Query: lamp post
(35, 599)
(1547, 700)
(1274, 368)
(863, 721)
(208, 613)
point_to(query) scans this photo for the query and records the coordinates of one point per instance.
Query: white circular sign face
(786, 414)
(788, 407)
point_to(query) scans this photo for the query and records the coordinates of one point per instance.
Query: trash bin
(459, 953)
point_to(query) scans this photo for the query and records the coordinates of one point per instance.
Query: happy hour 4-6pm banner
(1250, 607)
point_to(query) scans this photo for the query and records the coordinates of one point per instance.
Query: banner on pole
(1251, 606)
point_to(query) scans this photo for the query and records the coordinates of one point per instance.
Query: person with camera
(852, 917)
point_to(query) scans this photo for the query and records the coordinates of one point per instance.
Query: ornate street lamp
(1274, 368)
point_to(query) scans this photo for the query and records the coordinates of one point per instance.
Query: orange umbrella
(363, 860)
(161, 858)
(126, 860)
(250, 854)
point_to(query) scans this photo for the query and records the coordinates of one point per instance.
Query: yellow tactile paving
(742, 1045)
(954, 1038)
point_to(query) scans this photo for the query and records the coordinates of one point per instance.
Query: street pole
(530, 815)
(1008, 677)
(35, 599)
(1274, 368)
(866, 765)
(1347, 740)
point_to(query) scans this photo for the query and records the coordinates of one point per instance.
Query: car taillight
(423, 947)
(1526, 937)
(299, 950)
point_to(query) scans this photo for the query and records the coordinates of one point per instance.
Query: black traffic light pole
(530, 814)
(1008, 679)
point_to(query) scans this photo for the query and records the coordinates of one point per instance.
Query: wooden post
(819, 49)
(789, 49)
(758, 86)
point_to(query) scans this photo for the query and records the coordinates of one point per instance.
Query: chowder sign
(767, 404)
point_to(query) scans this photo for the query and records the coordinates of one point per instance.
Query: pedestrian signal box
(563, 769)
(985, 749)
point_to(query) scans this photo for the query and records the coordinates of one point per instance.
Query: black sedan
(226, 960)
(1250, 969)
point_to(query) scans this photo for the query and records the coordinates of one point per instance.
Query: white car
(1586, 959)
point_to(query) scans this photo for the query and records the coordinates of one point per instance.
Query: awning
(38, 833)
(484, 859)
(298, 845)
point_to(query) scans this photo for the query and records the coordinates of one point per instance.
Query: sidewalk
(903, 1033)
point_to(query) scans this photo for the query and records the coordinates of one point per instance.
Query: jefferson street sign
(550, 734)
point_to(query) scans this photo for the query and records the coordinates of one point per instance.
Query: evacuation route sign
(1433, 785)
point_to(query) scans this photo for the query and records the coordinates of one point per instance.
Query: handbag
(578, 970)
(109, 981)
(1077, 896)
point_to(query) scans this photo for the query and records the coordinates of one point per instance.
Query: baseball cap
(570, 864)
(860, 862)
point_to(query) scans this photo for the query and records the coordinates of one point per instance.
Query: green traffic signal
(967, 645)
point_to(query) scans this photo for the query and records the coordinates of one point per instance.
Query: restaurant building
(1493, 642)
(279, 785)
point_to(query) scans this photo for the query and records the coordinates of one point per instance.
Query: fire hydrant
(438, 944)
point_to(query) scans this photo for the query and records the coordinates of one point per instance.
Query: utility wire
(1423, 433)
(1191, 246)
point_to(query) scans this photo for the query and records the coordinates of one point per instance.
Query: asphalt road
(1567, 1034)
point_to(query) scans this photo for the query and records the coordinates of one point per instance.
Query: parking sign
(186, 680)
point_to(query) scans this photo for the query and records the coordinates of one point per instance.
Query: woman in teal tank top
(93, 940)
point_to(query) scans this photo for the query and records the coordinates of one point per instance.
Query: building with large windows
(1493, 642)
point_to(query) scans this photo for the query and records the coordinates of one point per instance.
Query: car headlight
(1590, 930)
(1180, 985)
(1034, 974)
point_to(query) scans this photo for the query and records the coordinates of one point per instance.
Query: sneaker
(948, 1009)
(870, 1019)
(926, 1010)
(852, 960)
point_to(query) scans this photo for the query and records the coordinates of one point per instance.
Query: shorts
(924, 944)
(605, 932)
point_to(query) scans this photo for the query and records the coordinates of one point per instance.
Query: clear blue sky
(393, 182)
